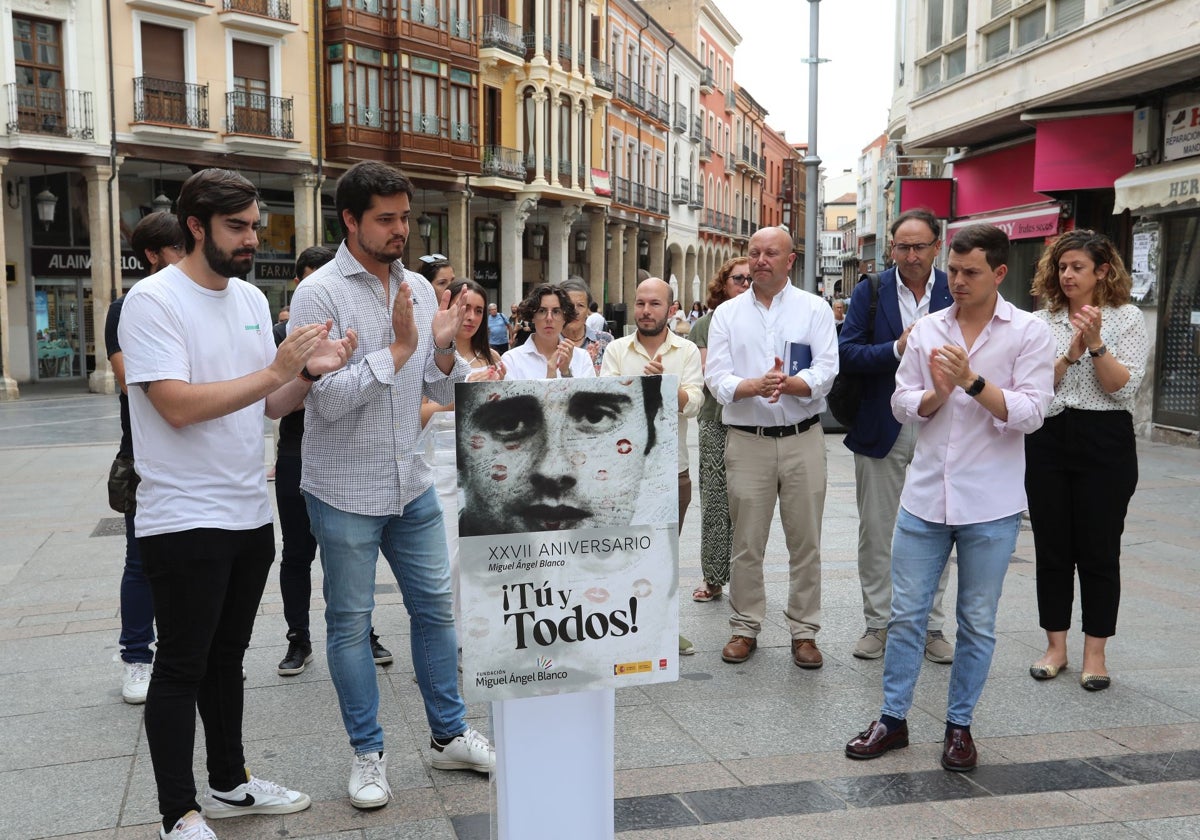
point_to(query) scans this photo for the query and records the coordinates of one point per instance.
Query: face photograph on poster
(568, 534)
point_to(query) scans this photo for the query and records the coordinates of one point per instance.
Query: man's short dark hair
(919, 214)
(988, 238)
(365, 180)
(209, 192)
(154, 232)
(312, 258)
(593, 307)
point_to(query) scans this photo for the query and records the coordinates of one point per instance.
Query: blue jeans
(414, 545)
(137, 605)
(920, 550)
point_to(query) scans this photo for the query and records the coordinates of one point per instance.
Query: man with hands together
(367, 487)
(976, 378)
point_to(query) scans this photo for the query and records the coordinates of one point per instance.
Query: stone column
(539, 33)
(101, 216)
(630, 266)
(306, 215)
(657, 249)
(555, 34)
(539, 136)
(552, 138)
(459, 224)
(589, 113)
(616, 291)
(8, 385)
(596, 256)
(558, 241)
(508, 239)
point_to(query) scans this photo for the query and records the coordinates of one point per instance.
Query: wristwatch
(305, 375)
(976, 387)
(1067, 359)
(1099, 351)
(444, 351)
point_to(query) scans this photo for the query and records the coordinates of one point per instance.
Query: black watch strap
(976, 387)
(304, 374)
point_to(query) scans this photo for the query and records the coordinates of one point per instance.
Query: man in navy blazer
(882, 448)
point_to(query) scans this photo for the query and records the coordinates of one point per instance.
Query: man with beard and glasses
(654, 350)
(366, 485)
(197, 342)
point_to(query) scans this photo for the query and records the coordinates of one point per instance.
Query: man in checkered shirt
(367, 488)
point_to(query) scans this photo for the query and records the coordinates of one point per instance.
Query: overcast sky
(855, 85)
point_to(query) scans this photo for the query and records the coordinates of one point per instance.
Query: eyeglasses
(742, 280)
(432, 258)
(548, 313)
(919, 248)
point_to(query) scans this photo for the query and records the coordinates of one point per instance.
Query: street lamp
(425, 229)
(487, 236)
(264, 214)
(160, 203)
(643, 247)
(46, 202)
(581, 243)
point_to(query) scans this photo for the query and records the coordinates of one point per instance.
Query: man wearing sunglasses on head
(883, 448)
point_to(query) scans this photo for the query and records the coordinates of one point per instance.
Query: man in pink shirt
(977, 378)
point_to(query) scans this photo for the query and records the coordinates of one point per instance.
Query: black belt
(779, 431)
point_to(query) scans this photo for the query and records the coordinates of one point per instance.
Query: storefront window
(1177, 402)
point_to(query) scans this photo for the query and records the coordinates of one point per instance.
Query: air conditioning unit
(1147, 132)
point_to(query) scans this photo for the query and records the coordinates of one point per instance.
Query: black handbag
(845, 396)
(122, 485)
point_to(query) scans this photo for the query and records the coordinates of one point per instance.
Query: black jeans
(1080, 472)
(207, 584)
(299, 547)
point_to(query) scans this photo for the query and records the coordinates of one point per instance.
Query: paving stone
(903, 788)
(657, 812)
(745, 803)
(1042, 776)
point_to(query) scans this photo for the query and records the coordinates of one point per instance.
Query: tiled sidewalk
(746, 751)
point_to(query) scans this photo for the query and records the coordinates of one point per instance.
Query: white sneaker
(469, 751)
(190, 827)
(254, 796)
(136, 682)
(369, 786)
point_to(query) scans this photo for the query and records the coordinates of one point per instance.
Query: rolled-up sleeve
(1131, 349)
(912, 377)
(1032, 380)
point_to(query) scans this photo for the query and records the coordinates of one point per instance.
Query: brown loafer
(739, 649)
(806, 654)
(876, 740)
(959, 753)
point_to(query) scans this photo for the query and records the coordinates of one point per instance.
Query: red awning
(1082, 153)
(996, 180)
(935, 194)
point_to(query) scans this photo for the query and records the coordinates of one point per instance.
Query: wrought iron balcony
(63, 113)
(502, 162)
(502, 34)
(276, 9)
(530, 39)
(170, 102)
(706, 149)
(683, 191)
(697, 132)
(656, 200)
(696, 200)
(602, 74)
(706, 80)
(621, 190)
(730, 102)
(258, 114)
(680, 121)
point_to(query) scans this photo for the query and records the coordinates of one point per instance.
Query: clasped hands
(311, 347)
(1086, 337)
(950, 368)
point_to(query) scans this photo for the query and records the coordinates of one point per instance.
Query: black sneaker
(382, 655)
(299, 654)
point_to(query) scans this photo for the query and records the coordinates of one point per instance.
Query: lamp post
(46, 202)
(487, 236)
(425, 229)
(581, 243)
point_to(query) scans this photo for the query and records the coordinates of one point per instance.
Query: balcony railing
(682, 192)
(729, 166)
(170, 102)
(696, 200)
(602, 74)
(706, 149)
(530, 40)
(277, 9)
(621, 191)
(258, 114)
(460, 27)
(706, 79)
(657, 107)
(502, 162)
(730, 102)
(656, 200)
(680, 121)
(564, 54)
(501, 33)
(697, 132)
(63, 113)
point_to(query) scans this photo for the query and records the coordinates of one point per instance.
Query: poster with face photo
(568, 534)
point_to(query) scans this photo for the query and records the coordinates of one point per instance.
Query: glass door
(1177, 402)
(63, 313)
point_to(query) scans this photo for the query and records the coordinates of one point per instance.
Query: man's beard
(233, 264)
(383, 255)
(656, 330)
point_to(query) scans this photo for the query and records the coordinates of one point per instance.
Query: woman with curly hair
(1081, 465)
(716, 528)
(547, 354)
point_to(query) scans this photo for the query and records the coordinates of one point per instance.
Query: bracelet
(1067, 359)
(306, 376)
(443, 351)
(1098, 352)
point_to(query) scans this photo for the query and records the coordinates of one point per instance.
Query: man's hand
(491, 373)
(902, 341)
(561, 360)
(950, 364)
(447, 321)
(332, 354)
(404, 326)
(295, 350)
(771, 382)
(654, 367)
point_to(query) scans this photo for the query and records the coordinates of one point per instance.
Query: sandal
(706, 592)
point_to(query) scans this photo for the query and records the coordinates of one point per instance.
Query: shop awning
(1155, 189)
(1026, 223)
(1082, 153)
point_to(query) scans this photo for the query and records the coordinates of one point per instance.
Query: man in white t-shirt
(197, 342)
(595, 322)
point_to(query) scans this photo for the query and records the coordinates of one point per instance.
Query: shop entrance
(63, 342)
(1178, 398)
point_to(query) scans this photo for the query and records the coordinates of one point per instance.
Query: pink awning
(1082, 153)
(1026, 223)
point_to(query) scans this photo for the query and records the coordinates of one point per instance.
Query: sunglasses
(429, 259)
(742, 280)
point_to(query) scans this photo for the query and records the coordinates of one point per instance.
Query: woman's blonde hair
(1111, 290)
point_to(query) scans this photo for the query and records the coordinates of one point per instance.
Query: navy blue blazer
(876, 429)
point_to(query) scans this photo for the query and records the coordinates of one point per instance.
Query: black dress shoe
(959, 753)
(379, 653)
(877, 740)
(299, 654)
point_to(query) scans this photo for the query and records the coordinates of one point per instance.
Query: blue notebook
(799, 357)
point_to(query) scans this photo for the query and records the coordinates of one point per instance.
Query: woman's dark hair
(716, 286)
(362, 182)
(533, 303)
(209, 192)
(154, 232)
(430, 264)
(1111, 290)
(479, 339)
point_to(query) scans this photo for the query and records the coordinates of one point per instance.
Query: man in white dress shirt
(772, 358)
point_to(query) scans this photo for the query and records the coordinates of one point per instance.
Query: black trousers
(299, 547)
(1080, 472)
(207, 584)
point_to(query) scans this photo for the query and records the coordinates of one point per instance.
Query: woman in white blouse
(547, 354)
(1081, 466)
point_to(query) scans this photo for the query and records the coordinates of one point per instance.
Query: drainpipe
(112, 163)
(318, 40)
